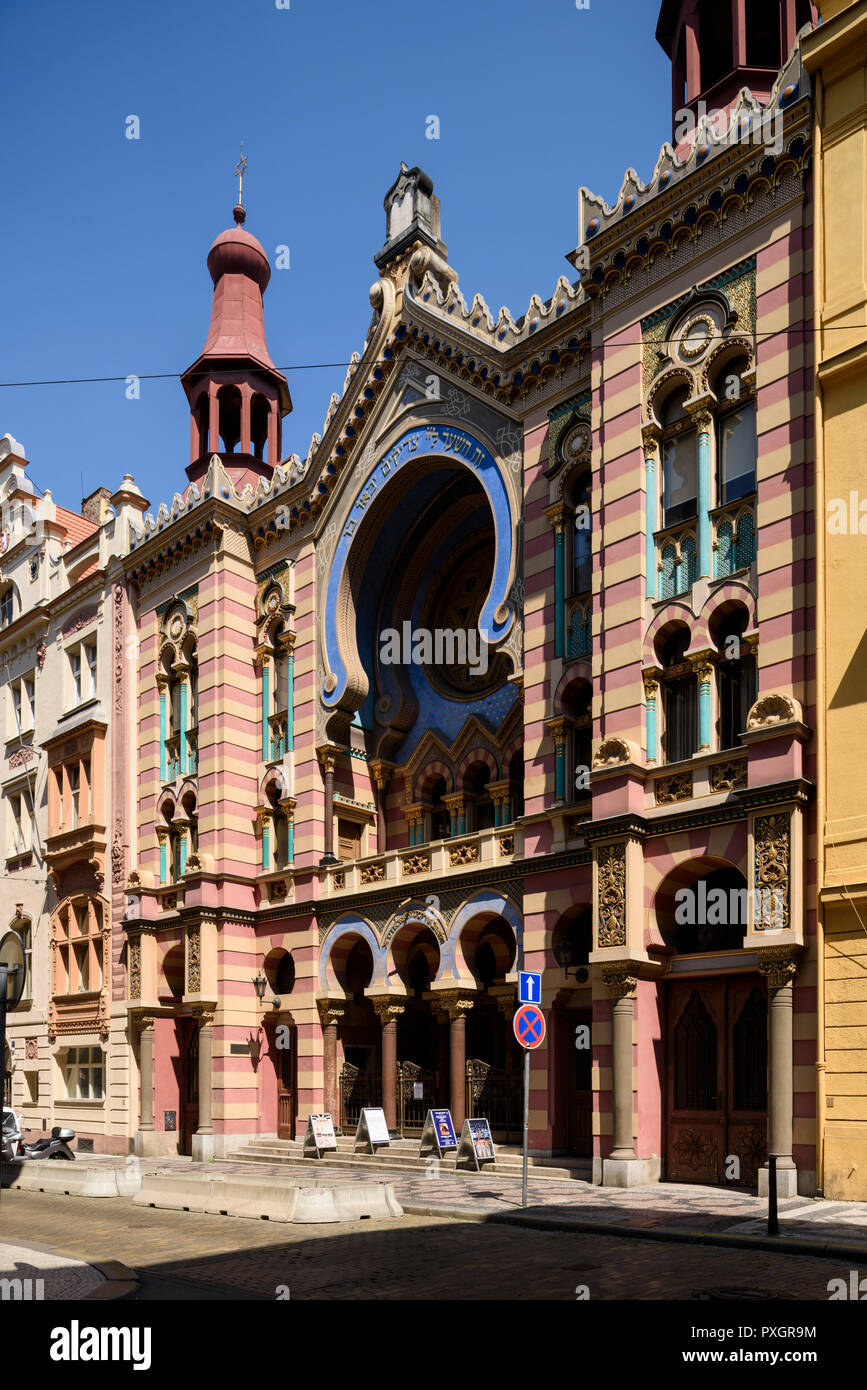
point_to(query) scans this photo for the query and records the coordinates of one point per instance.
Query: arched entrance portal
(360, 1080)
(716, 1031)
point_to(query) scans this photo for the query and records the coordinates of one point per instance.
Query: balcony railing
(279, 730)
(173, 757)
(734, 537)
(579, 634)
(677, 559)
(483, 847)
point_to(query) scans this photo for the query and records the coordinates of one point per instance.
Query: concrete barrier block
(314, 1205)
(252, 1197)
(175, 1191)
(377, 1201)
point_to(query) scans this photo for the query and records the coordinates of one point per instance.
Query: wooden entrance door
(285, 1054)
(716, 1080)
(188, 1120)
(578, 1064)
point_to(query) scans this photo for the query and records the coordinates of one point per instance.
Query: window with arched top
(440, 820)
(679, 461)
(679, 690)
(581, 530)
(479, 798)
(736, 678)
(735, 433)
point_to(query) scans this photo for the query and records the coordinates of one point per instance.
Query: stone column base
(787, 1181)
(155, 1143)
(204, 1148)
(629, 1172)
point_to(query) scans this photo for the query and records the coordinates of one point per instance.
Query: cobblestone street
(180, 1255)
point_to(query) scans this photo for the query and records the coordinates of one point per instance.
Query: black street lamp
(260, 984)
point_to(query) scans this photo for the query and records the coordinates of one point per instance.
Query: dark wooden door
(285, 1054)
(188, 1120)
(716, 1080)
(579, 1094)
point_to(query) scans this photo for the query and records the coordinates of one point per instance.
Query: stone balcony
(460, 854)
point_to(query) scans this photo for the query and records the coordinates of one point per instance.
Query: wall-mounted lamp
(260, 984)
(564, 954)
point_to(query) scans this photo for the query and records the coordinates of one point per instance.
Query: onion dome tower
(237, 396)
(718, 46)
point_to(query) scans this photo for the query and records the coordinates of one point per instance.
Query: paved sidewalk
(688, 1210)
(45, 1274)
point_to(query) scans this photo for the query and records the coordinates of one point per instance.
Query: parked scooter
(54, 1146)
(11, 1140)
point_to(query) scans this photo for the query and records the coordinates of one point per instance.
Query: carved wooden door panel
(696, 1080)
(747, 1099)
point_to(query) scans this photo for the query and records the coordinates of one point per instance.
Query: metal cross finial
(239, 170)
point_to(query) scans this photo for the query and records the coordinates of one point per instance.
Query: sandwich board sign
(320, 1137)
(477, 1144)
(438, 1133)
(371, 1132)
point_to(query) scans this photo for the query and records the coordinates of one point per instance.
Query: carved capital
(556, 516)
(205, 1013)
(702, 664)
(142, 1022)
(388, 1009)
(331, 1011)
(456, 1003)
(651, 682)
(620, 978)
(779, 964)
(650, 437)
(557, 729)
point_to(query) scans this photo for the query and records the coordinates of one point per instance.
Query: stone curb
(785, 1245)
(119, 1280)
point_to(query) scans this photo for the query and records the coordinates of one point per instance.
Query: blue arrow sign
(529, 987)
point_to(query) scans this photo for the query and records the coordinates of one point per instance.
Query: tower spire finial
(238, 211)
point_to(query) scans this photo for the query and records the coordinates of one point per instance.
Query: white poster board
(320, 1137)
(477, 1144)
(372, 1132)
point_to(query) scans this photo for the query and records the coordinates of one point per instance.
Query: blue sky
(104, 239)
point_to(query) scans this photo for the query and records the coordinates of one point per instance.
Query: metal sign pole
(526, 1123)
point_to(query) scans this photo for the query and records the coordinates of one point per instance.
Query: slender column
(703, 425)
(162, 838)
(379, 773)
(266, 705)
(331, 1012)
(458, 1005)
(287, 804)
(557, 730)
(454, 804)
(213, 419)
(651, 447)
(556, 516)
(621, 981)
(162, 685)
(264, 818)
(146, 1071)
(183, 827)
(779, 965)
(388, 1012)
(206, 1069)
(651, 690)
(246, 398)
(183, 671)
(327, 757)
(289, 640)
(703, 668)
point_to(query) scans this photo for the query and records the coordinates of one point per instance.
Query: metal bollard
(773, 1223)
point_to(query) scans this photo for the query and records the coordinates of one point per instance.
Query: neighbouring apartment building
(513, 668)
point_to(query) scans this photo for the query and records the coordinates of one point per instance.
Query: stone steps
(402, 1154)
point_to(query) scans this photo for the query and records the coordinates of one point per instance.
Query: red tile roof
(77, 528)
